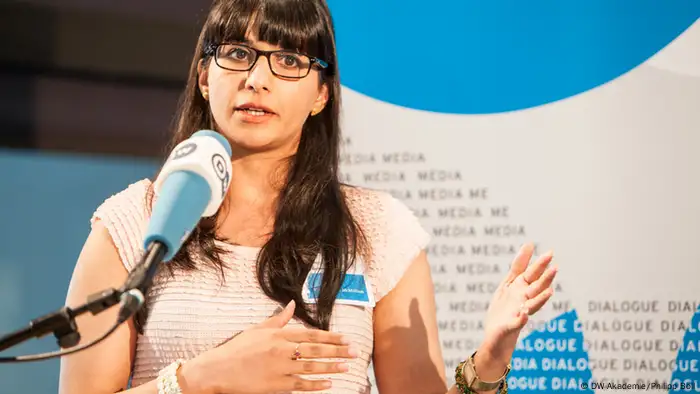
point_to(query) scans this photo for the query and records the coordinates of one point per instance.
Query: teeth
(255, 112)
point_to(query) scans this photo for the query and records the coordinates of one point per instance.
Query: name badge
(356, 288)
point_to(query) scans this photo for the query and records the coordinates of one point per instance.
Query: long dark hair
(312, 217)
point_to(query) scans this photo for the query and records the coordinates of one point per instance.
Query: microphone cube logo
(184, 150)
(219, 164)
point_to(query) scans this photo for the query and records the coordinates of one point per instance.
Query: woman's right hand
(261, 360)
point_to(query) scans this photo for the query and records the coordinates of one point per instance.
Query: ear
(321, 100)
(203, 78)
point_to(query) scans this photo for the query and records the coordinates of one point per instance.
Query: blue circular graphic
(476, 56)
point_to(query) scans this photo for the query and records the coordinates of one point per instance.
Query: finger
(306, 367)
(522, 259)
(520, 319)
(538, 302)
(281, 319)
(533, 272)
(542, 283)
(315, 350)
(297, 383)
(300, 335)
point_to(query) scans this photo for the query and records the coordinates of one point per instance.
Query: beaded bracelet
(167, 379)
(462, 383)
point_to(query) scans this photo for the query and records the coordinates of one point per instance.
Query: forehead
(251, 39)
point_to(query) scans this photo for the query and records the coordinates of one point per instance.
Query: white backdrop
(609, 179)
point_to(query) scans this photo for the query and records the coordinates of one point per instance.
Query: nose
(260, 76)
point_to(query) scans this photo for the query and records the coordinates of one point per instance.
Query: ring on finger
(297, 353)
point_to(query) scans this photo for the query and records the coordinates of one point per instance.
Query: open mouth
(254, 110)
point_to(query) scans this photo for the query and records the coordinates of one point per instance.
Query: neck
(256, 180)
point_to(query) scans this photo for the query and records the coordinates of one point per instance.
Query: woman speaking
(230, 314)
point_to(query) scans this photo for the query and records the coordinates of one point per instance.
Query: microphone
(192, 184)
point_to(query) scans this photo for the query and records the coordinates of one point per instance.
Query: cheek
(219, 105)
(300, 102)
(222, 93)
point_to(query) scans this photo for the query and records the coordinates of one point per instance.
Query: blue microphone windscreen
(181, 201)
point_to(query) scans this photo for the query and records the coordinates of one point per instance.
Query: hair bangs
(295, 25)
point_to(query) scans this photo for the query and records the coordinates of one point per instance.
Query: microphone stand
(62, 321)
(142, 275)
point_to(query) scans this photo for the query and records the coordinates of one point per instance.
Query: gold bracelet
(463, 386)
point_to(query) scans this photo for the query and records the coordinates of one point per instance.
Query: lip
(245, 117)
(255, 106)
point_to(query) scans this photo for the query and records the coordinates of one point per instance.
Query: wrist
(490, 366)
(192, 378)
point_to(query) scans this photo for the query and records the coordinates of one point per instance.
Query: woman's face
(286, 102)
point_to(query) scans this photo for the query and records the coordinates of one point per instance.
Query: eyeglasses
(284, 64)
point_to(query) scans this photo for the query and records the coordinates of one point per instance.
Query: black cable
(134, 300)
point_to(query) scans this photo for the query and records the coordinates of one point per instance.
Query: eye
(238, 54)
(235, 52)
(289, 60)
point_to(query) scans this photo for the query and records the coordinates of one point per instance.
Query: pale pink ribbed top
(196, 311)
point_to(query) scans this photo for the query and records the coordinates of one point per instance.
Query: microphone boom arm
(62, 321)
(142, 275)
(195, 176)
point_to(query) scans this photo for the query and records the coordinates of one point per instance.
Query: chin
(255, 140)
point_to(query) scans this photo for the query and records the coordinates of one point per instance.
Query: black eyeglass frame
(213, 51)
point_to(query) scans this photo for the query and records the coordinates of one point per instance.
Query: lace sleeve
(125, 216)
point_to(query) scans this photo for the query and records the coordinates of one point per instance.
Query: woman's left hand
(523, 292)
